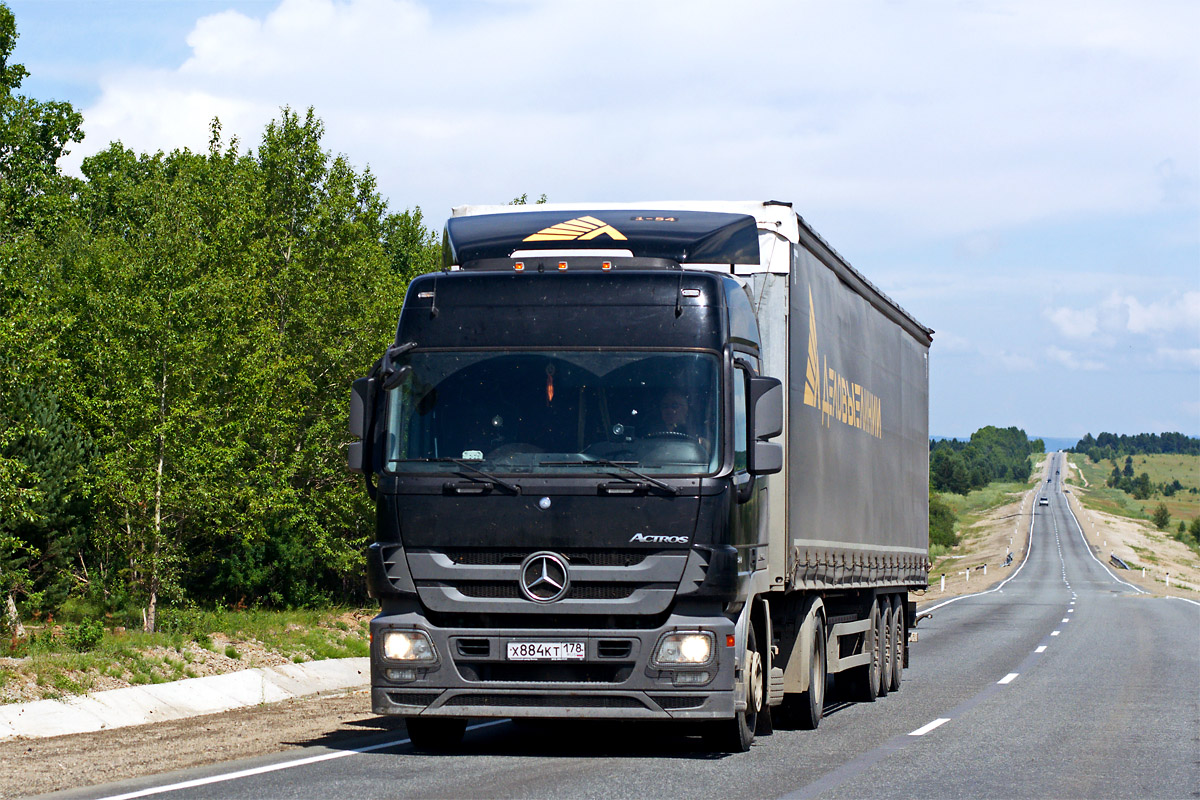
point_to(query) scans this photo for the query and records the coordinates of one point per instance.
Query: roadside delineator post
(944, 582)
(1167, 580)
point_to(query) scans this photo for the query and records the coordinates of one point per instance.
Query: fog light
(689, 648)
(691, 678)
(412, 646)
(399, 675)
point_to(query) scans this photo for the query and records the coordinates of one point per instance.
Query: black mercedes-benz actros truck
(653, 461)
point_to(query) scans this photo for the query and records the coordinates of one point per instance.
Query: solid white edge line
(1009, 678)
(299, 762)
(1088, 548)
(998, 586)
(924, 729)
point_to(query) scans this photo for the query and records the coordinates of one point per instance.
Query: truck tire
(737, 734)
(898, 636)
(435, 733)
(862, 683)
(805, 709)
(883, 642)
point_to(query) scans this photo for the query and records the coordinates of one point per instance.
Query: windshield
(556, 412)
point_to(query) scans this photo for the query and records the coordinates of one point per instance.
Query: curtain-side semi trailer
(663, 461)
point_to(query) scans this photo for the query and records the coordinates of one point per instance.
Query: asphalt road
(1061, 682)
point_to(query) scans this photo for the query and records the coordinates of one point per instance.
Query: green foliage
(991, 454)
(1161, 517)
(85, 636)
(180, 333)
(1108, 446)
(942, 521)
(33, 136)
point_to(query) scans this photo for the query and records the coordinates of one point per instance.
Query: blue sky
(1024, 177)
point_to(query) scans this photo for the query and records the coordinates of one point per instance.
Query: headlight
(413, 647)
(684, 649)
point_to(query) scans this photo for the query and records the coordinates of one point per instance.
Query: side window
(740, 398)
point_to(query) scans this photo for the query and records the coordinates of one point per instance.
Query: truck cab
(566, 444)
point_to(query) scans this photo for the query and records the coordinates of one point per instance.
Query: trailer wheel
(883, 643)
(737, 734)
(435, 733)
(862, 683)
(898, 636)
(805, 709)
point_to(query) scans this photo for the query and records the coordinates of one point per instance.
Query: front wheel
(737, 734)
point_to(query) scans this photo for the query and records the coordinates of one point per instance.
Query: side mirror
(766, 403)
(358, 454)
(766, 422)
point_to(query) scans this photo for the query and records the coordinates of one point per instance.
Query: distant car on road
(1043, 501)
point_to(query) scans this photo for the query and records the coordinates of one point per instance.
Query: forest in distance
(180, 331)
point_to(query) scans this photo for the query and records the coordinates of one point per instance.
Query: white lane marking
(1088, 548)
(924, 729)
(1055, 633)
(1066, 619)
(1009, 678)
(998, 587)
(1070, 611)
(1041, 648)
(300, 762)
(1184, 599)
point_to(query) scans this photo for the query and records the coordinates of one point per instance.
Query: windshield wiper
(512, 487)
(625, 465)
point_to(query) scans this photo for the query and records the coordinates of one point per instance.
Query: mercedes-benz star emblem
(544, 577)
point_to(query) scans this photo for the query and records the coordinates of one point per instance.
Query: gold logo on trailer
(576, 230)
(837, 398)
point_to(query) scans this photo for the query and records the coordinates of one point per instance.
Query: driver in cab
(675, 418)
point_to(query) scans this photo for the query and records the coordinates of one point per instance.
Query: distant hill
(1052, 442)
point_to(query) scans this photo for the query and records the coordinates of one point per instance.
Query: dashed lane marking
(924, 729)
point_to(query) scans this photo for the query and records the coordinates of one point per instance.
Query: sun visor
(696, 237)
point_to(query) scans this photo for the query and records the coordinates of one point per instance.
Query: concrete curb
(137, 705)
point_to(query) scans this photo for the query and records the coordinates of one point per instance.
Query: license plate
(546, 651)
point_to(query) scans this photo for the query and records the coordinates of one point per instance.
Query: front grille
(476, 648)
(614, 648)
(543, 701)
(592, 558)
(541, 672)
(421, 699)
(508, 590)
(676, 702)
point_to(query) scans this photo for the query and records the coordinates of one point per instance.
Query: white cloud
(1188, 358)
(1072, 361)
(932, 118)
(1120, 314)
